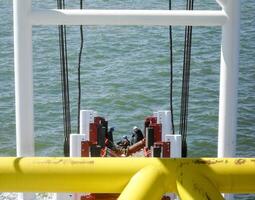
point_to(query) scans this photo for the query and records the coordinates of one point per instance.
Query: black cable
(64, 81)
(171, 69)
(185, 82)
(182, 113)
(79, 72)
(62, 76)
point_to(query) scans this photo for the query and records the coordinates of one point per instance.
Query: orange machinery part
(135, 147)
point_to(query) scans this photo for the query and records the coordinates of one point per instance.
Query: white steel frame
(228, 18)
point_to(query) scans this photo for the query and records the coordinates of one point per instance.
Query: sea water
(125, 77)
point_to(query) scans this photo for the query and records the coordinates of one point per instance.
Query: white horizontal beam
(128, 17)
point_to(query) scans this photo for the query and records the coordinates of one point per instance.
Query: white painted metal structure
(128, 17)
(229, 68)
(25, 18)
(164, 118)
(86, 117)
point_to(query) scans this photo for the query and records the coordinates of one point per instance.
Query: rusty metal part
(136, 147)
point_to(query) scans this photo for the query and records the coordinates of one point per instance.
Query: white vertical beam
(229, 79)
(86, 117)
(23, 78)
(176, 144)
(75, 144)
(164, 118)
(23, 81)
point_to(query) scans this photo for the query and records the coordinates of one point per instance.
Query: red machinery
(155, 147)
(95, 147)
(99, 145)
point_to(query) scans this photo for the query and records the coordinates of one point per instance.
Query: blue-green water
(125, 77)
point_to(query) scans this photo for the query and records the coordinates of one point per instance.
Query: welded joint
(192, 185)
(148, 183)
(222, 3)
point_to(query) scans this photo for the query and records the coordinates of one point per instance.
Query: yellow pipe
(191, 185)
(148, 183)
(111, 175)
(97, 175)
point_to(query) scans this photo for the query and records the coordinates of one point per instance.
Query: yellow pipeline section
(138, 178)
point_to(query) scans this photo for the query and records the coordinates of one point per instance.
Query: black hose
(79, 72)
(64, 81)
(171, 70)
(185, 83)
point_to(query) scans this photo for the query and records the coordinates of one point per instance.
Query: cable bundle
(185, 83)
(64, 81)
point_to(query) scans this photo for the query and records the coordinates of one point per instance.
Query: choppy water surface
(125, 77)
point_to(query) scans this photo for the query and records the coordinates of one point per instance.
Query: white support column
(164, 118)
(86, 117)
(23, 78)
(23, 81)
(75, 144)
(229, 79)
(176, 145)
